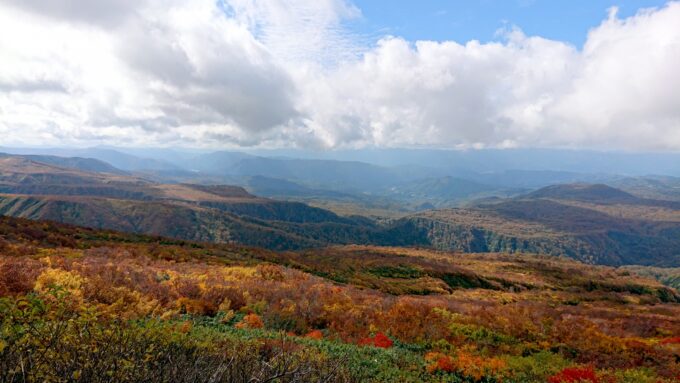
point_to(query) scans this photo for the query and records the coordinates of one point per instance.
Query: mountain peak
(584, 192)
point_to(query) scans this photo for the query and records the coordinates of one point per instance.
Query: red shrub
(675, 340)
(574, 375)
(440, 362)
(379, 340)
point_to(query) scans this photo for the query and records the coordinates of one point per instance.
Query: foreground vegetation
(96, 306)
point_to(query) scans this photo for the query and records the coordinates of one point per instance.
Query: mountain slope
(598, 193)
(653, 187)
(216, 213)
(611, 227)
(224, 313)
(444, 191)
(190, 222)
(118, 159)
(340, 175)
(76, 163)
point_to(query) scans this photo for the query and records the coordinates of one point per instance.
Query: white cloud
(300, 31)
(154, 73)
(624, 92)
(431, 93)
(288, 73)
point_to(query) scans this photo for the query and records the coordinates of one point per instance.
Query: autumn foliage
(440, 362)
(379, 340)
(250, 321)
(675, 340)
(575, 375)
(384, 314)
(314, 334)
(465, 365)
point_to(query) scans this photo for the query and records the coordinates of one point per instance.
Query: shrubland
(99, 306)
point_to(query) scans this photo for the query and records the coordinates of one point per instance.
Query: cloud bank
(288, 73)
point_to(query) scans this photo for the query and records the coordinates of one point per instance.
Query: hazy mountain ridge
(77, 163)
(653, 187)
(594, 223)
(393, 174)
(114, 157)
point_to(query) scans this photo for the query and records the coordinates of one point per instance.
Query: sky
(440, 20)
(341, 74)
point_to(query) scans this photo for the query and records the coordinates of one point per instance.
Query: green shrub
(534, 368)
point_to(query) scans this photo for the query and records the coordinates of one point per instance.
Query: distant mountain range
(123, 161)
(494, 161)
(595, 223)
(396, 175)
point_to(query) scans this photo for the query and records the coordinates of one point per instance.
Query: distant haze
(439, 162)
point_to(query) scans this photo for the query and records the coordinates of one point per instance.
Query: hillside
(342, 203)
(117, 158)
(224, 313)
(216, 213)
(444, 191)
(653, 187)
(598, 193)
(76, 163)
(275, 225)
(592, 223)
(338, 175)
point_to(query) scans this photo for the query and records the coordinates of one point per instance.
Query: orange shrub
(195, 307)
(315, 334)
(186, 327)
(250, 321)
(465, 364)
(271, 272)
(414, 320)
